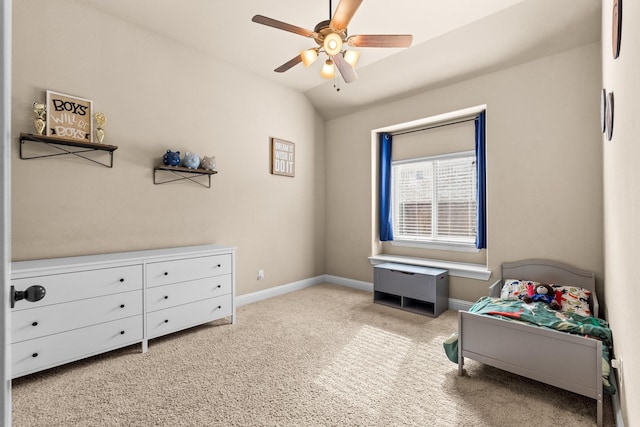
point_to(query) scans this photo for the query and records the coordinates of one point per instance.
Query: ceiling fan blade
(380, 40)
(283, 26)
(289, 64)
(347, 72)
(343, 14)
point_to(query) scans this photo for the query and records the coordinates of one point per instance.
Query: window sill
(458, 247)
(458, 269)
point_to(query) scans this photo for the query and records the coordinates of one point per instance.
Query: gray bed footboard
(526, 350)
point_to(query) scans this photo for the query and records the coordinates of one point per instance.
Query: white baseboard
(278, 290)
(615, 401)
(454, 304)
(350, 283)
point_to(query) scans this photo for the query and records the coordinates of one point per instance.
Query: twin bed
(488, 333)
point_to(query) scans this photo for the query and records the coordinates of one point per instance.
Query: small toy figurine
(191, 160)
(171, 158)
(208, 162)
(39, 122)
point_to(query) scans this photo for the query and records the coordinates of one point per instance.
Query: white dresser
(98, 303)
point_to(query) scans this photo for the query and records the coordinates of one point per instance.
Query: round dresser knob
(121, 280)
(121, 332)
(34, 324)
(166, 321)
(166, 297)
(34, 355)
(166, 273)
(121, 305)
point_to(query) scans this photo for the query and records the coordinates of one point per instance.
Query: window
(437, 167)
(434, 199)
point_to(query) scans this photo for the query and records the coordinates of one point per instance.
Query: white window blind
(434, 199)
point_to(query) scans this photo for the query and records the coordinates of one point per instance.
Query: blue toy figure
(191, 160)
(171, 158)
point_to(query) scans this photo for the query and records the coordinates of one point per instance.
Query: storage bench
(421, 290)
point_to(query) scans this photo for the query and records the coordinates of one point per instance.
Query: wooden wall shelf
(183, 173)
(75, 148)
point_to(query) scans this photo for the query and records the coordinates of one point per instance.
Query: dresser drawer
(81, 285)
(161, 297)
(182, 270)
(52, 319)
(34, 355)
(184, 316)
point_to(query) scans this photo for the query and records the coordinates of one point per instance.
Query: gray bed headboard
(547, 271)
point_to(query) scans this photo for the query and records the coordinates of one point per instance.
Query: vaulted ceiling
(452, 40)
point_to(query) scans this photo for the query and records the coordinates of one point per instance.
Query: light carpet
(321, 356)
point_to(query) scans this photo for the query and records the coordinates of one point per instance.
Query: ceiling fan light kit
(328, 72)
(331, 36)
(352, 56)
(332, 44)
(309, 56)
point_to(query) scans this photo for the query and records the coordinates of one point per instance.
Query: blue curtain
(481, 169)
(386, 210)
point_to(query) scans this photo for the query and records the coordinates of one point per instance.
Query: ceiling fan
(331, 37)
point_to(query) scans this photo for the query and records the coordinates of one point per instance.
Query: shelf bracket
(182, 174)
(60, 144)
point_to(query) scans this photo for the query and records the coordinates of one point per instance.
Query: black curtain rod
(434, 126)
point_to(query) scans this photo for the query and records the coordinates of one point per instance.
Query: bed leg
(599, 415)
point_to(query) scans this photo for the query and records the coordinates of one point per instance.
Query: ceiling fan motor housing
(323, 29)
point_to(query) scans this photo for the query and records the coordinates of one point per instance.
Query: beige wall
(622, 202)
(544, 157)
(158, 94)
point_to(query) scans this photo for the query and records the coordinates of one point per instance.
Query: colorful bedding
(539, 314)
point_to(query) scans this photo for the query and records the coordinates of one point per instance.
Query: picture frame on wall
(603, 111)
(609, 116)
(616, 28)
(283, 157)
(69, 117)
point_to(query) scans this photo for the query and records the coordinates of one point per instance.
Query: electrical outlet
(260, 274)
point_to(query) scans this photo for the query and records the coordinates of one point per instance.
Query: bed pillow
(574, 299)
(513, 288)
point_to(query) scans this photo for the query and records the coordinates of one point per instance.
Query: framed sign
(283, 157)
(69, 117)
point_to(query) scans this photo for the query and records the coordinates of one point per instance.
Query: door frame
(5, 209)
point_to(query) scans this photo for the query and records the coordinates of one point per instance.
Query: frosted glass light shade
(333, 44)
(352, 56)
(328, 71)
(309, 56)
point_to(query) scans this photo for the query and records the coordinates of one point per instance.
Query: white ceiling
(452, 39)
